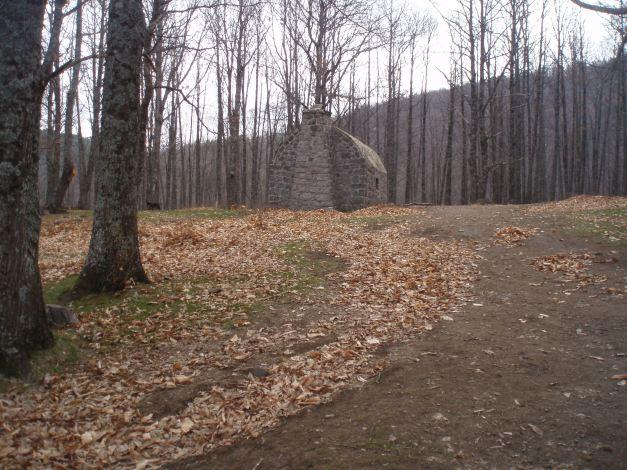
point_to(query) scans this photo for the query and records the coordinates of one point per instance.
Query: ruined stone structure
(321, 166)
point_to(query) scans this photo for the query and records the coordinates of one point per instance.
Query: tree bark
(448, 155)
(622, 10)
(86, 178)
(69, 170)
(114, 258)
(23, 324)
(53, 163)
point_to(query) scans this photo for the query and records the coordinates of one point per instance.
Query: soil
(518, 378)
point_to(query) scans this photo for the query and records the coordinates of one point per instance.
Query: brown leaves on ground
(181, 234)
(573, 266)
(391, 286)
(513, 236)
(580, 203)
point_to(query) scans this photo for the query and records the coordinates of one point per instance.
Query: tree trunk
(87, 177)
(52, 56)
(448, 156)
(113, 258)
(221, 164)
(23, 324)
(411, 164)
(172, 189)
(54, 160)
(69, 171)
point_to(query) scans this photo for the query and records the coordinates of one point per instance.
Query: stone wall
(321, 166)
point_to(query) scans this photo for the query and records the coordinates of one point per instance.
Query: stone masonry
(321, 166)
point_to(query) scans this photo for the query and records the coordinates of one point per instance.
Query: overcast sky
(594, 27)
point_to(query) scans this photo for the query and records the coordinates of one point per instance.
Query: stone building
(321, 166)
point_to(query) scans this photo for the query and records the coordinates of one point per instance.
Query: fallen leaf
(536, 429)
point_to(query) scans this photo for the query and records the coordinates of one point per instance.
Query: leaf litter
(574, 267)
(513, 236)
(389, 288)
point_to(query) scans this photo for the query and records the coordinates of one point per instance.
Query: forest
(464, 306)
(531, 113)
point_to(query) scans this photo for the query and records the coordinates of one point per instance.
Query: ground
(437, 337)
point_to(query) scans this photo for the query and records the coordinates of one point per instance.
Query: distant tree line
(529, 114)
(527, 118)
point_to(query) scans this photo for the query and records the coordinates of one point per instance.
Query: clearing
(439, 337)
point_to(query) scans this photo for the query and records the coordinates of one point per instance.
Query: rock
(257, 372)
(59, 315)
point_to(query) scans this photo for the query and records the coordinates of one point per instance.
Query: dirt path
(519, 378)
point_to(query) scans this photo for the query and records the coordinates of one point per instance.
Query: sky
(594, 27)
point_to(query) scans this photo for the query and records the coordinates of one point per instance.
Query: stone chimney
(316, 115)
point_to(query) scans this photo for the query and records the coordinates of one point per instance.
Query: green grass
(306, 267)
(378, 221)
(379, 449)
(203, 213)
(198, 212)
(141, 299)
(309, 267)
(55, 291)
(138, 303)
(606, 226)
(65, 352)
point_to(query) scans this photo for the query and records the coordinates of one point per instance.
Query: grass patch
(606, 226)
(380, 448)
(65, 352)
(177, 214)
(309, 266)
(55, 291)
(140, 300)
(190, 300)
(200, 212)
(377, 222)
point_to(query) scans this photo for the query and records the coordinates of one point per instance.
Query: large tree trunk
(23, 325)
(113, 258)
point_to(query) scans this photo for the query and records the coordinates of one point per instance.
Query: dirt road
(518, 378)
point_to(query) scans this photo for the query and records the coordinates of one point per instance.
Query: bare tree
(86, 175)
(68, 169)
(113, 258)
(331, 34)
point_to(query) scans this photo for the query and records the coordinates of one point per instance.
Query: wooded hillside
(531, 113)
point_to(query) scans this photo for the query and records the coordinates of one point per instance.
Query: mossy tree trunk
(23, 325)
(113, 258)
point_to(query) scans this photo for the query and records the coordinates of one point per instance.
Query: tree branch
(601, 8)
(68, 65)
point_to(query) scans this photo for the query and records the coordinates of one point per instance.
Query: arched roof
(364, 150)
